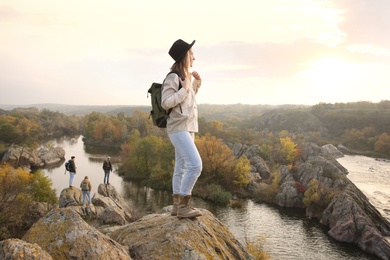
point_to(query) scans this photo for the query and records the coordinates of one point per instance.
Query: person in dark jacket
(72, 171)
(107, 168)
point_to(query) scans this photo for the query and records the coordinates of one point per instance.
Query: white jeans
(188, 164)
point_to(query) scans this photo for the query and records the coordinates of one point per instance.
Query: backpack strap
(178, 74)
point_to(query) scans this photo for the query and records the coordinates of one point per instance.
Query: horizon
(2, 106)
(292, 52)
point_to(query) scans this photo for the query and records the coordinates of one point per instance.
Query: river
(288, 233)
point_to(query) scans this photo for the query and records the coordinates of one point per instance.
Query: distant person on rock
(72, 171)
(86, 188)
(107, 168)
(182, 124)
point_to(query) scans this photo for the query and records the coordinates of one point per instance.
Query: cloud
(268, 60)
(366, 22)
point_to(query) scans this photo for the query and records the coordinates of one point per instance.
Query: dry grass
(256, 248)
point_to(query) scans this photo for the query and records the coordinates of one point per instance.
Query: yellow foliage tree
(288, 149)
(241, 172)
(18, 190)
(220, 165)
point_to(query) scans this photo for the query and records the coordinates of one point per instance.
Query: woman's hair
(182, 66)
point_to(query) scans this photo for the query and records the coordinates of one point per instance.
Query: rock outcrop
(17, 249)
(65, 235)
(332, 150)
(25, 157)
(353, 219)
(338, 204)
(108, 206)
(162, 236)
(258, 165)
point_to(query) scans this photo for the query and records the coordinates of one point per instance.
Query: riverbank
(288, 233)
(372, 177)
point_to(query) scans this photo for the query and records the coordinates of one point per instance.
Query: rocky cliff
(336, 201)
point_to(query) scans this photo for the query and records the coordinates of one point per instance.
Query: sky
(100, 52)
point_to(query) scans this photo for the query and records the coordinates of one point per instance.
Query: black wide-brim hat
(179, 49)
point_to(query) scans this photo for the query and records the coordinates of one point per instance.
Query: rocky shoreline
(67, 232)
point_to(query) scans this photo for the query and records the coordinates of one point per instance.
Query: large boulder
(25, 157)
(162, 236)
(70, 197)
(65, 235)
(331, 149)
(50, 155)
(260, 166)
(351, 218)
(17, 249)
(288, 195)
(238, 149)
(108, 206)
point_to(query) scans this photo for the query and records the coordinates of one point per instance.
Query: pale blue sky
(249, 51)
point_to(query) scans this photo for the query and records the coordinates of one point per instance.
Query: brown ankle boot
(184, 210)
(176, 200)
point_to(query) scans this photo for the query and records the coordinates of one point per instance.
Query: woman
(182, 125)
(86, 188)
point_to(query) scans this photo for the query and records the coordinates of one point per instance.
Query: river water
(288, 233)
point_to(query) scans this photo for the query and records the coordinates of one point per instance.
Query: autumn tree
(19, 191)
(287, 151)
(382, 145)
(220, 165)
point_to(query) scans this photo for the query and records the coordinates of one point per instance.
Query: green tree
(148, 157)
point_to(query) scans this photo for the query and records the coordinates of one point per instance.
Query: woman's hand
(186, 84)
(196, 75)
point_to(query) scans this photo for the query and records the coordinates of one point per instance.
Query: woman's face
(190, 57)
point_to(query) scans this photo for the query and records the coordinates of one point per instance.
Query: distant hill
(81, 109)
(208, 111)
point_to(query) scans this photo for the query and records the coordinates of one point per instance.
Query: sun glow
(333, 78)
(332, 71)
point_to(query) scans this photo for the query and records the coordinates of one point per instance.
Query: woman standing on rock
(182, 124)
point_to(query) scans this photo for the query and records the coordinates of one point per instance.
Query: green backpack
(158, 114)
(84, 186)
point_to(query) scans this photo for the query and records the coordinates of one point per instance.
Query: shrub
(267, 192)
(317, 197)
(256, 248)
(213, 192)
(300, 187)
